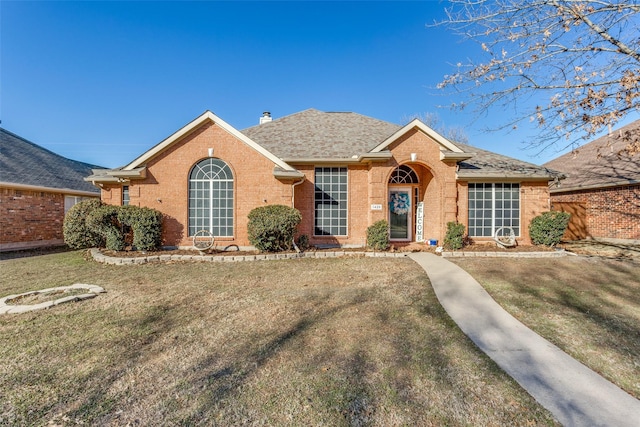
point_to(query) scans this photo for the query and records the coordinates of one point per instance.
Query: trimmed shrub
(378, 235)
(271, 228)
(146, 224)
(454, 238)
(77, 233)
(104, 221)
(548, 228)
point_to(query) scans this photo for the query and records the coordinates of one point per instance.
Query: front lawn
(589, 307)
(347, 341)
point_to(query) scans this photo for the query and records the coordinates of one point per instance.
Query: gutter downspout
(293, 192)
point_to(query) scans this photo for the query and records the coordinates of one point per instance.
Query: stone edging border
(92, 291)
(100, 257)
(547, 254)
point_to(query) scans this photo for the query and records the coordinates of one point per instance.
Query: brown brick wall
(166, 187)
(29, 217)
(534, 199)
(611, 213)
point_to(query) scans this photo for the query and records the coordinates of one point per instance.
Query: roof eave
(452, 155)
(595, 186)
(502, 176)
(204, 117)
(417, 124)
(355, 159)
(41, 188)
(282, 174)
(137, 173)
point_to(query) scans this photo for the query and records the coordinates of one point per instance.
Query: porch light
(414, 157)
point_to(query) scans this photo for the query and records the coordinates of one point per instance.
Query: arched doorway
(403, 197)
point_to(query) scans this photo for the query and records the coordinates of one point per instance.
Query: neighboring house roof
(26, 165)
(609, 161)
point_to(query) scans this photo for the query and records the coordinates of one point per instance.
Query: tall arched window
(211, 198)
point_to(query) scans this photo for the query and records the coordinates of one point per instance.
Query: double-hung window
(330, 201)
(492, 206)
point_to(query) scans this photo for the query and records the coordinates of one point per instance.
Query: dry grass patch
(349, 341)
(589, 307)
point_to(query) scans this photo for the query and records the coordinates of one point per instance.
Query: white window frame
(125, 200)
(328, 191)
(497, 205)
(205, 181)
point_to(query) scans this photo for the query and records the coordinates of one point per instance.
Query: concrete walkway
(574, 394)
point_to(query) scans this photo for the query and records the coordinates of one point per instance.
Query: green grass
(589, 307)
(347, 341)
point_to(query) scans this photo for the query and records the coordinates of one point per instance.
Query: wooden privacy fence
(577, 228)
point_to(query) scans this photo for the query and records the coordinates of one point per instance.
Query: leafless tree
(576, 61)
(433, 120)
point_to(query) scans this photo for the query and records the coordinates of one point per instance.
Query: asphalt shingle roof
(489, 164)
(313, 134)
(23, 162)
(608, 161)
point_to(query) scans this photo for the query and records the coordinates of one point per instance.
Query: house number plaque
(376, 207)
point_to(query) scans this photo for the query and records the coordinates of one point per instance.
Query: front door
(400, 213)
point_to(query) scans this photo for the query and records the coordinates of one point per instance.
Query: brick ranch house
(343, 171)
(602, 188)
(37, 187)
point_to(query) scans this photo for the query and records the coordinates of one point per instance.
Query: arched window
(211, 198)
(403, 175)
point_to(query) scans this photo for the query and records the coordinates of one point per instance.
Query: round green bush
(548, 228)
(272, 228)
(378, 235)
(77, 233)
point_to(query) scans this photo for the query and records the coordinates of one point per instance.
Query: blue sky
(102, 82)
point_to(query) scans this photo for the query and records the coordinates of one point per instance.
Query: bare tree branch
(582, 56)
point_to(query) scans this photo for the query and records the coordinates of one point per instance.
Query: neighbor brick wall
(30, 218)
(611, 213)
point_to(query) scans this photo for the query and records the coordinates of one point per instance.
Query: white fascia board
(140, 172)
(501, 177)
(207, 115)
(450, 155)
(67, 191)
(356, 159)
(415, 123)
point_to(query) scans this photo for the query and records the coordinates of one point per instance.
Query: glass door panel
(400, 213)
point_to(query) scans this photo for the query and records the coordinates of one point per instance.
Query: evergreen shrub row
(93, 224)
